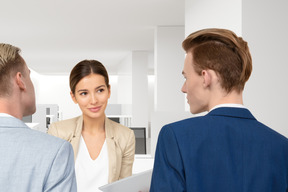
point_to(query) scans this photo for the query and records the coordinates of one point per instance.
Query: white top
(91, 174)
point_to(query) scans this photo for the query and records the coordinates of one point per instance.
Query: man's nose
(183, 89)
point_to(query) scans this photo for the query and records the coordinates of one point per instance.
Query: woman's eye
(101, 90)
(83, 93)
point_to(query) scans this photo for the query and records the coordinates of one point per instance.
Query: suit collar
(113, 146)
(79, 126)
(109, 128)
(232, 112)
(12, 122)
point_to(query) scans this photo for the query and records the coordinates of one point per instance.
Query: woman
(103, 149)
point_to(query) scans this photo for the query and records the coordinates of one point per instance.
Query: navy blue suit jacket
(227, 150)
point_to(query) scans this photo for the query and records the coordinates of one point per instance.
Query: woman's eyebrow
(80, 90)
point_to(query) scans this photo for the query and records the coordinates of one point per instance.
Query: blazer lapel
(113, 151)
(75, 139)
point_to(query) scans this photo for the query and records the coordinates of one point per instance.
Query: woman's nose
(93, 99)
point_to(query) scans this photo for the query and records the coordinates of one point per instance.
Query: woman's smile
(94, 109)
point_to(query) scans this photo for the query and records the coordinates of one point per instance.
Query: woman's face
(92, 94)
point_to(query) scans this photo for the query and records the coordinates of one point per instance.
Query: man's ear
(19, 81)
(207, 77)
(73, 97)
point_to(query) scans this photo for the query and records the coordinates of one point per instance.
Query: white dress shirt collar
(229, 105)
(5, 115)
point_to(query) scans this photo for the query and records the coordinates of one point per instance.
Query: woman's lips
(94, 109)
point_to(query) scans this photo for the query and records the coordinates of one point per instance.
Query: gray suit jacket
(32, 161)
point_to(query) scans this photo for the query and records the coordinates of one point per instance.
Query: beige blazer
(120, 144)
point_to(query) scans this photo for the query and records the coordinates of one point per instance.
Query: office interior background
(139, 42)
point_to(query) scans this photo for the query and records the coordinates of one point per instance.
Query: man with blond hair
(29, 160)
(227, 150)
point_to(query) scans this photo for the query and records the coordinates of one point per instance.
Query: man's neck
(9, 108)
(233, 97)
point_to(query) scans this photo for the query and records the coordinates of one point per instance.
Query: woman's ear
(109, 90)
(73, 97)
(19, 81)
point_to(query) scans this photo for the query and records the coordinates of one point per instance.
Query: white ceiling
(54, 35)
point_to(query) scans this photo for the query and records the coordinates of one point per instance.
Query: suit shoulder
(275, 135)
(187, 122)
(45, 139)
(42, 147)
(185, 127)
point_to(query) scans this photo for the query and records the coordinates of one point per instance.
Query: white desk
(142, 163)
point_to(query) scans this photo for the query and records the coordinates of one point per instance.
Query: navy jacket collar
(232, 112)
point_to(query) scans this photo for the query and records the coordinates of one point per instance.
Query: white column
(169, 59)
(139, 89)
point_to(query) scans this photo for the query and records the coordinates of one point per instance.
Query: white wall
(55, 90)
(266, 31)
(124, 87)
(200, 14)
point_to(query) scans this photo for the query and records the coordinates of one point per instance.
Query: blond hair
(10, 63)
